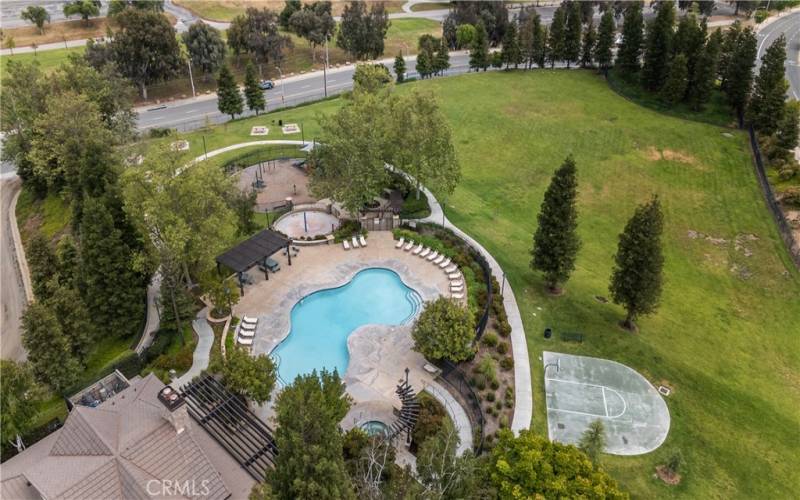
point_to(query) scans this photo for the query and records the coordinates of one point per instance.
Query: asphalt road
(790, 26)
(11, 292)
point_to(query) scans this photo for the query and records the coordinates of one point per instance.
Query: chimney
(176, 412)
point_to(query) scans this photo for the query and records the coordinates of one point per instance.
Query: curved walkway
(202, 353)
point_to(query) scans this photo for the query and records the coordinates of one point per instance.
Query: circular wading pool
(306, 223)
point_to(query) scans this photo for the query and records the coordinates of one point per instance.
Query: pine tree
(675, 87)
(605, 41)
(767, 104)
(73, 316)
(511, 53)
(788, 133)
(728, 43)
(400, 68)
(229, 100)
(572, 34)
(42, 263)
(630, 51)
(442, 57)
(539, 43)
(739, 70)
(526, 41)
(658, 47)
(252, 92)
(424, 64)
(699, 92)
(589, 40)
(479, 53)
(556, 242)
(112, 291)
(49, 352)
(690, 40)
(556, 41)
(636, 279)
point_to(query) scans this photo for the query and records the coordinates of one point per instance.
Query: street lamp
(283, 90)
(325, 68)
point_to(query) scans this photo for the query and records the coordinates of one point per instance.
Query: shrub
(430, 421)
(507, 363)
(504, 421)
(444, 330)
(504, 329)
(490, 396)
(502, 347)
(494, 384)
(675, 461)
(489, 339)
(760, 16)
(488, 368)
(480, 382)
(498, 406)
(158, 132)
(347, 229)
(791, 197)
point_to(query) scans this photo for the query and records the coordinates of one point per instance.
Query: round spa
(306, 223)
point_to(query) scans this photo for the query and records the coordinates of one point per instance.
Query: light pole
(283, 89)
(325, 68)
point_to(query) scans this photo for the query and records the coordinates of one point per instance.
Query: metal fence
(457, 382)
(386, 222)
(772, 203)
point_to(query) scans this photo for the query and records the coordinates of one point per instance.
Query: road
(12, 292)
(789, 25)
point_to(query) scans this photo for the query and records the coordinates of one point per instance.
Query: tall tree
(788, 133)
(399, 68)
(593, 441)
(49, 352)
(636, 280)
(556, 242)
(702, 83)
(768, 101)
(630, 51)
(675, 87)
(442, 471)
(252, 92)
(256, 32)
(362, 34)
(526, 34)
(229, 99)
(37, 15)
(314, 23)
(479, 53)
(442, 57)
(444, 330)
(145, 47)
(511, 53)
(539, 43)
(116, 7)
(572, 34)
(658, 47)
(289, 8)
(556, 43)
(465, 33)
(589, 41)
(206, 48)
(112, 290)
(557, 471)
(19, 398)
(73, 316)
(250, 376)
(605, 41)
(83, 8)
(42, 263)
(310, 463)
(738, 79)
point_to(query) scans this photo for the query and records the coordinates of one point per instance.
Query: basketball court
(580, 389)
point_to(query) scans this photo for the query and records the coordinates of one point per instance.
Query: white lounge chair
(399, 244)
(453, 276)
(346, 245)
(425, 253)
(355, 242)
(438, 260)
(248, 319)
(418, 249)
(244, 341)
(457, 282)
(445, 263)
(459, 288)
(362, 240)
(432, 256)
(247, 333)
(457, 295)
(248, 326)
(409, 245)
(451, 269)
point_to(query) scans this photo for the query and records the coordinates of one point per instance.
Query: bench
(572, 337)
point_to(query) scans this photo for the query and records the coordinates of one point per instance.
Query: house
(138, 443)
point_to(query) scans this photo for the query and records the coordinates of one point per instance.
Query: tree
(636, 279)
(49, 352)
(738, 79)
(250, 376)
(362, 34)
(605, 41)
(465, 34)
(441, 471)
(19, 398)
(593, 441)
(206, 48)
(556, 242)
(556, 41)
(289, 8)
(73, 316)
(511, 53)
(252, 92)
(530, 466)
(479, 53)
(36, 15)
(83, 8)
(675, 87)
(11, 44)
(632, 38)
(399, 68)
(705, 7)
(145, 47)
(658, 47)
(68, 261)
(313, 23)
(426, 55)
(442, 58)
(116, 7)
(229, 99)
(768, 101)
(444, 330)
(702, 83)
(370, 78)
(493, 15)
(112, 290)
(256, 32)
(42, 263)
(310, 463)
(572, 33)
(788, 132)
(587, 47)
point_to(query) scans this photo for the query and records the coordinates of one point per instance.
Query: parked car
(266, 84)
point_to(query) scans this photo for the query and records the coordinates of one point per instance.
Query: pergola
(254, 250)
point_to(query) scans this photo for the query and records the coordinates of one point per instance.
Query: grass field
(56, 32)
(226, 10)
(48, 60)
(725, 337)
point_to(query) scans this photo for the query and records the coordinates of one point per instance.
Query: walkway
(153, 321)
(202, 353)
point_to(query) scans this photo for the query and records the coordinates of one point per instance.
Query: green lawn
(725, 337)
(48, 60)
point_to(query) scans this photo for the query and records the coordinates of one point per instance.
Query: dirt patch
(654, 154)
(666, 475)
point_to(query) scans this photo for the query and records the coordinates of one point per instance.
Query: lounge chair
(438, 260)
(248, 333)
(399, 244)
(425, 253)
(355, 242)
(248, 326)
(346, 245)
(409, 245)
(445, 263)
(248, 319)
(456, 282)
(432, 256)
(453, 276)
(459, 288)
(457, 295)
(362, 240)
(451, 269)
(244, 341)
(418, 249)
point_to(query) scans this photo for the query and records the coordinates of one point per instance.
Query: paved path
(202, 353)
(153, 322)
(16, 289)
(457, 415)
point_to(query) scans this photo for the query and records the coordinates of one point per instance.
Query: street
(13, 294)
(789, 25)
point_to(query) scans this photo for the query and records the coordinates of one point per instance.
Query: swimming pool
(322, 321)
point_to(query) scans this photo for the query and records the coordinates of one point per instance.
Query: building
(138, 443)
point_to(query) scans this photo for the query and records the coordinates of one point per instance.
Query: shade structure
(252, 251)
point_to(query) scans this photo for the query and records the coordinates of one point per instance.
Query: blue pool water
(322, 321)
